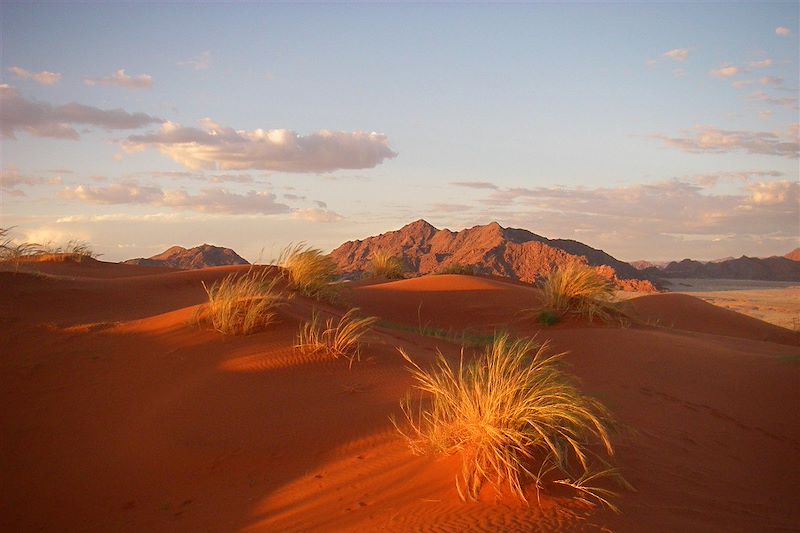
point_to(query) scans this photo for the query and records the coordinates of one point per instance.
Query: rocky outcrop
(201, 256)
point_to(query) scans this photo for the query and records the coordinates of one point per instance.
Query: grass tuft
(339, 339)
(309, 270)
(242, 304)
(505, 411)
(578, 289)
(384, 265)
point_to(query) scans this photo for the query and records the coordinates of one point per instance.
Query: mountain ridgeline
(490, 250)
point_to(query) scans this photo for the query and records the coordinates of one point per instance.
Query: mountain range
(490, 250)
(750, 268)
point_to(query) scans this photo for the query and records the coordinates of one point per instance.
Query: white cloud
(143, 81)
(217, 147)
(199, 62)
(679, 72)
(677, 54)
(708, 139)
(782, 31)
(765, 114)
(44, 120)
(725, 71)
(44, 77)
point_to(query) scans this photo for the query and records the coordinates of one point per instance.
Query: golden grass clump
(242, 304)
(513, 415)
(309, 270)
(578, 289)
(384, 265)
(339, 339)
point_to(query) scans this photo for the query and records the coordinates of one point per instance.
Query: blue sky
(656, 131)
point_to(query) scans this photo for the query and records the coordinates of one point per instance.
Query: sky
(650, 130)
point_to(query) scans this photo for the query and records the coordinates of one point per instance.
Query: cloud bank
(216, 147)
(206, 201)
(45, 120)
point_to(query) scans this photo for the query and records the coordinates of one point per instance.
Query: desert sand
(121, 414)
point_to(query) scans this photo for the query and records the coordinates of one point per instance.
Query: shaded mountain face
(491, 249)
(751, 268)
(201, 256)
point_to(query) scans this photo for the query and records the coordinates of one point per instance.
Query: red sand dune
(684, 312)
(120, 414)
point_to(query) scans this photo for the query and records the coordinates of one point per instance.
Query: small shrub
(339, 339)
(578, 289)
(309, 271)
(384, 265)
(243, 304)
(548, 318)
(457, 268)
(507, 410)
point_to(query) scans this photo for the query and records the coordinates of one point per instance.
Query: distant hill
(751, 268)
(491, 249)
(794, 255)
(201, 256)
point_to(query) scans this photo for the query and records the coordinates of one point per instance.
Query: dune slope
(121, 414)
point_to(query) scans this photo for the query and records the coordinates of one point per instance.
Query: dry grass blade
(384, 265)
(502, 412)
(585, 486)
(577, 289)
(339, 339)
(243, 304)
(309, 270)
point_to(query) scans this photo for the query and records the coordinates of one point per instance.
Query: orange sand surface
(120, 414)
